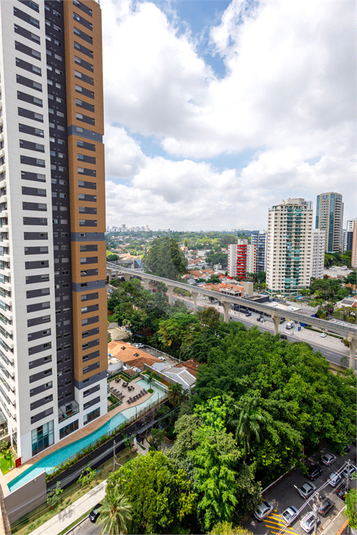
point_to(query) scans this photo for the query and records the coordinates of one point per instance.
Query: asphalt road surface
(87, 528)
(330, 354)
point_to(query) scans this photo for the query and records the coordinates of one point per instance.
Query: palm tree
(175, 394)
(249, 425)
(115, 512)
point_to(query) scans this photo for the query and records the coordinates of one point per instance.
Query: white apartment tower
(241, 259)
(318, 254)
(53, 355)
(289, 251)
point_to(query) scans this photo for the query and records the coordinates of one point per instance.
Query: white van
(290, 325)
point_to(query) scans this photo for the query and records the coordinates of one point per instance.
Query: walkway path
(69, 515)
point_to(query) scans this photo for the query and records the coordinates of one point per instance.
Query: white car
(162, 358)
(308, 521)
(323, 335)
(334, 479)
(290, 514)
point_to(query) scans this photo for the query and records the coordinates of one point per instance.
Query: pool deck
(90, 428)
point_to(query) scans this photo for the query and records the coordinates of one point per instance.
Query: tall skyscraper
(259, 239)
(241, 259)
(348, 236)
(53, 355)
(329, 217)
(318, 253)
(289, 255)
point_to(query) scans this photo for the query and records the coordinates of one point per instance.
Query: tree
(54, 496)
(112, 257)
(153, 489)
(209, 317)
(351, 508)
(165, 259)
(227, 528)
(156, 439)
(115, 512)
(87, 476)
(249, 424)
(175, 394)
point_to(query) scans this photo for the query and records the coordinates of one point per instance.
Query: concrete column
(226, 306)
(194, 296)
(353, 347)
(171, 293)
(126, 277)
(276, 321)
(109, 271)
(146, 283)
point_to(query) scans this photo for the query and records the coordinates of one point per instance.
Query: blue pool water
(50, 462)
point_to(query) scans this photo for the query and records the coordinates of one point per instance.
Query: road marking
(276, 524)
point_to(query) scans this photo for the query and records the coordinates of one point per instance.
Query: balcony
(67, 410)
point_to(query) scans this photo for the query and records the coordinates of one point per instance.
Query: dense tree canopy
(165, 259)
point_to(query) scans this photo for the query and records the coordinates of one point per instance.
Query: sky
(217, 110)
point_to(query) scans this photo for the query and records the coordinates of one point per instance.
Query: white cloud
(288, 94)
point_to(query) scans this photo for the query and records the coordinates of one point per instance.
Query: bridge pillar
(194, 296)
(226, 305)
(276, 321)
(353, 346)
(109, 275)
(126, 277)
(171, 293)
(146, 283)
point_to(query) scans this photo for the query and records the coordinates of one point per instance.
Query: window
(42, 437)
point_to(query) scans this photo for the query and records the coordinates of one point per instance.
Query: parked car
(248, 314)
(343, 450)
(162, 358)
(341, 490)
(314, 471)
(325, 506)
(334, 479)
(308, 521)
(323, 335)
(283, 337)
(259, 318)
(328, 459)
(352, 469)
(290, 514)
(263, 510)
(93, 515)
(306, 490)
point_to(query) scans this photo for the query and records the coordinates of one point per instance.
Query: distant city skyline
(216, 111)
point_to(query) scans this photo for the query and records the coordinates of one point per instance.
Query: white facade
(289, 251)
(232, 260)
(318, 254)
(26, 366)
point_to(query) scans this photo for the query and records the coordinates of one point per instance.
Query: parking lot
(283, 494)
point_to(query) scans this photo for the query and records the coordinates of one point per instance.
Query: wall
(26, 498)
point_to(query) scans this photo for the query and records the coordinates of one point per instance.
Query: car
(162, 358)
(290, 325)
(325, 505)
(248, 314)
(343, 450)
(306, 490)
(334, 479)
(341, 490)
(308, 521)
(290, 514)
(264, 509)
(283, 337)
(262, 320)
(259, 318)
(93, 515)
(314, 471)
(349, 470)
(323, 335)
(328, 459)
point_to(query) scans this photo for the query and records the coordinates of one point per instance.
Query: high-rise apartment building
(354, 245)
(318, 253)
(259, 239)
(241, 259)
(53, 355)
(348, 236)
(329, 217)
(289, 254)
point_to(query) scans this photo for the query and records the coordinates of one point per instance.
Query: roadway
(324, 345)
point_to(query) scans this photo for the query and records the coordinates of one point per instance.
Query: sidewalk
(69, 515)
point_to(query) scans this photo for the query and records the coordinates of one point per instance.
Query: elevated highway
(348, 331)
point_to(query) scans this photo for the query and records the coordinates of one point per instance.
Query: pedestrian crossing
(275, 523)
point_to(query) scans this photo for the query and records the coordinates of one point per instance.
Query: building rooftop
(130, 355)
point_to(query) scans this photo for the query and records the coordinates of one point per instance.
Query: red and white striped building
(241, 259)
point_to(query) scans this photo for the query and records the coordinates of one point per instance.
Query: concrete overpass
(348, 331)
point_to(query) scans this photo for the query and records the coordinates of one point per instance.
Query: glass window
(42, 437)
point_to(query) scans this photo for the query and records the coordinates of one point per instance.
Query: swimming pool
(51, 461)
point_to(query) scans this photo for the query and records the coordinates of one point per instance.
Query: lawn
(6, 464)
